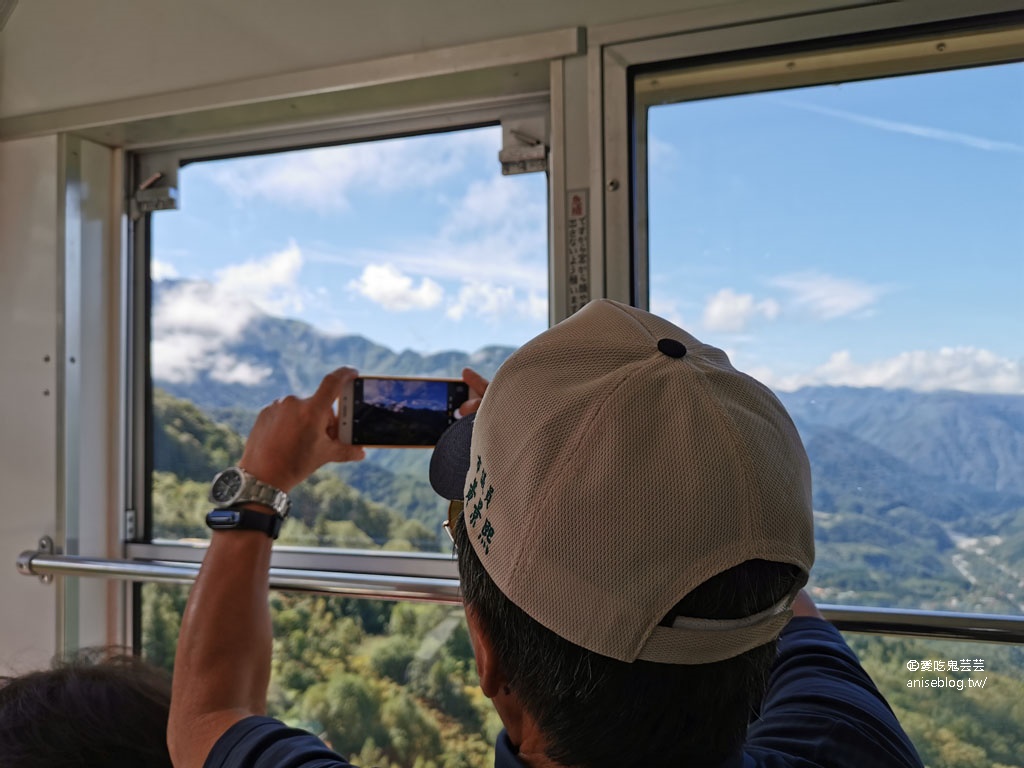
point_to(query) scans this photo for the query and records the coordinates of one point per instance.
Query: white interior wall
(56, 54)
(29, 348)
(91, 388)
(58, 374)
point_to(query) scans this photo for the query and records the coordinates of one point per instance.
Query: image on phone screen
(404, 412)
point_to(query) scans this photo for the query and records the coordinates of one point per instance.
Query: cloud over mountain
(964, 369)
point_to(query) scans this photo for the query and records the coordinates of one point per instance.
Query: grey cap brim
(449, 463)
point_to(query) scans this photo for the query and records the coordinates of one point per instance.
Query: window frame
(847, 41)
(358, 573)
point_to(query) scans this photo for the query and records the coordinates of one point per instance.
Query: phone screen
(404, 412)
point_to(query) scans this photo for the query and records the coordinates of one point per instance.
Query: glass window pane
(962, 704)
(410, 256)
(382, 683)
(860, 248)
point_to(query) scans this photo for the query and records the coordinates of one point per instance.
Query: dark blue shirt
(821, 709)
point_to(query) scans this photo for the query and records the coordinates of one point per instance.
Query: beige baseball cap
(617, 463)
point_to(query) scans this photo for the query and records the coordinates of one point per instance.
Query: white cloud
(191, 328)
(660, 152)
(498, 231)
(667, 308)
(536, 306)
(238, 372)
(271, 282)
(731, 312)
(492, 302)
(966, 369)
(492, 242)
(395, 291)
(195, 322)
(912, 129)
(198, 307)
(483, 299)
(323, 179)
(828, 297)
(162, 270)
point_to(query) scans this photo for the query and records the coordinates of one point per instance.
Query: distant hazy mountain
(969, 438)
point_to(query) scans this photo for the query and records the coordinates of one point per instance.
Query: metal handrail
(364, 585)
(976, 627)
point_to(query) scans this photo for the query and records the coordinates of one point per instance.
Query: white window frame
(621, 162)
(360, 573)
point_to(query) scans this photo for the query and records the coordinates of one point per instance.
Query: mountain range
(918, 497)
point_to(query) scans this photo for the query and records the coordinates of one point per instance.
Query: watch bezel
(251, 491)
(241, 486)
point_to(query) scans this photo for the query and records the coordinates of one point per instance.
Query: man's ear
(488, 668)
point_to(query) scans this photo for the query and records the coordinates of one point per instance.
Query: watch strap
(251, 491)
(236, 519)
(267, 495)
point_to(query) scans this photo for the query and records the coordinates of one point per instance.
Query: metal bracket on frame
(45, 547)
(524, 145)
(157, 189)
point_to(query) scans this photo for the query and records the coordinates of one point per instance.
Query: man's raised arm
(222, 665)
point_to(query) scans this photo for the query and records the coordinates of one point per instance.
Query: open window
(844, 219)
(415, 254)
(408, 256)
(858, 246)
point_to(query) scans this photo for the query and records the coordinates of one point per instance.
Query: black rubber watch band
(244, 520)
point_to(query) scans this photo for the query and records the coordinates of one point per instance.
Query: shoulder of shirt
(264, 742)
(822, 704)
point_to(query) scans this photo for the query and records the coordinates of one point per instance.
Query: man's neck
(508, 755)
(538, 761)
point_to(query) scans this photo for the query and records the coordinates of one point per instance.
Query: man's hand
(804, 606)
(294, 437)
(477, 387)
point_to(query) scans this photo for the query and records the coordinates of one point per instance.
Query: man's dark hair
(91, 710)
(593, 709)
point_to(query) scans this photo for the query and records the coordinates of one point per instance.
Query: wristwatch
(234, 487)
(244, 520)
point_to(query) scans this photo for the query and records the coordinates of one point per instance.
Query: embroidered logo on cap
(483, 494)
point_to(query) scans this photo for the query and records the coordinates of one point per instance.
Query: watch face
(226, 486)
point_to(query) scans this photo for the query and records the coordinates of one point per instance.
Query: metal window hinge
(130, 519)
(524, 145)
(45, 547)
(158, 190)
(150, 197)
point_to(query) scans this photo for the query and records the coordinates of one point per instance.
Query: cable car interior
(205, 207)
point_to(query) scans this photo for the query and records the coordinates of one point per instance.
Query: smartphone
(398, 411)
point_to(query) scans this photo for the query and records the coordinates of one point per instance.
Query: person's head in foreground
(93, 710)
(636, 523)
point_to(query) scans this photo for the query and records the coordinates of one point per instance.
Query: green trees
(342, 669)
(190, 448)
(187, 442)
(952, 728)
(394, 685)
(162, 606)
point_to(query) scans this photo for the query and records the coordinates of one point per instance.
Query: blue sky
(865, 234)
